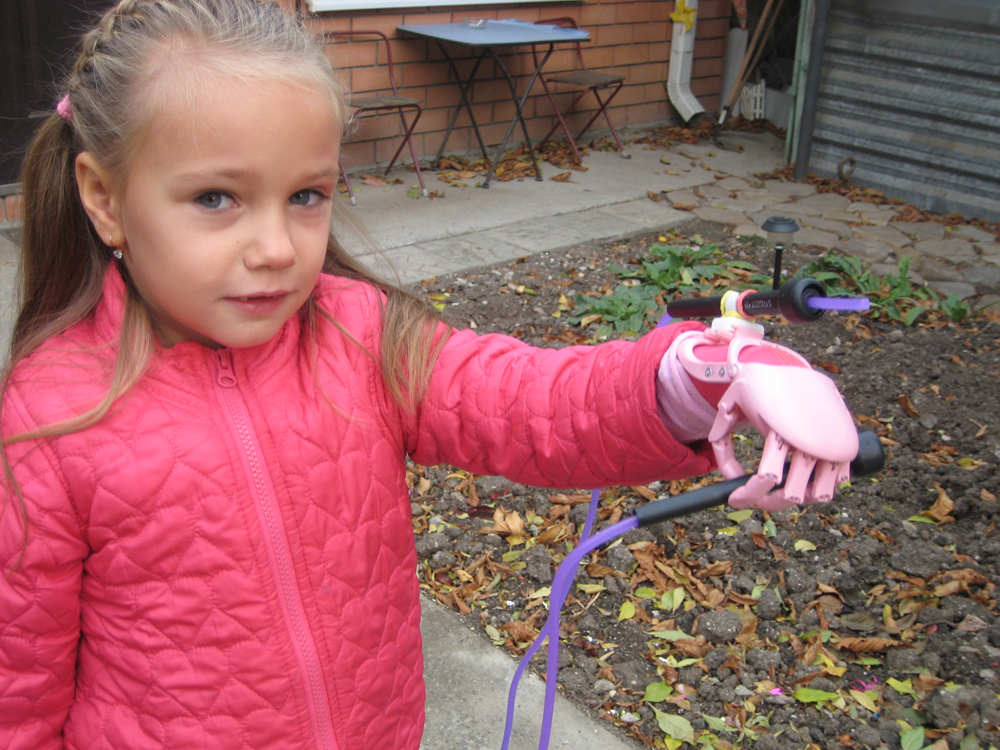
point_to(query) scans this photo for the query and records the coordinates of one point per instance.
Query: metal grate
(914, 101)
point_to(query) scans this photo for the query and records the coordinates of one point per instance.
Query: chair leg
(407, 140)
(347, 182)
(604, 110)
(560, 121)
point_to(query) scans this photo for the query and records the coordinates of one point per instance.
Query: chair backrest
(333, 38)
(568, 23)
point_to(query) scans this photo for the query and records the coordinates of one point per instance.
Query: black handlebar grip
(870, 460)
(695, 307)
(791, 300)
(871, 455)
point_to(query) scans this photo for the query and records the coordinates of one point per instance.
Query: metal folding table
(490, 35)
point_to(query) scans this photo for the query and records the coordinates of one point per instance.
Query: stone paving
(962, 260)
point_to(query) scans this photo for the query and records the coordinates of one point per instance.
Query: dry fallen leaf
(868, 644)
(942, 508)
(907, 406)
(563, 177)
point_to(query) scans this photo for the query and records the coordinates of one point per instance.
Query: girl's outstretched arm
(583, 416)
(40, 585)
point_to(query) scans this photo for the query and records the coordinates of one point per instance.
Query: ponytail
(62, 261)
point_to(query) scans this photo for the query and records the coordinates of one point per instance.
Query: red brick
(631, 54)
(611, 36)
(634, 12)
(652, 92)
(489, 91)
(659, 52)
(493, 134)
(385, 23)
(651, 32)
(643, 113)
(426, 17)
(408, 49)
(712, 28)
(370, 127)
(710, 48)
(712, 103)
(597, 58)
(704, 87)
(503, 111)
(662, 11)
(715, 8)
(707, 66)
(384, 151)
(548, 15)
(595, 14)
(561, 60)
(356, 153)
(427, 74)
(629, 95)
(364, 80)
(434, 119)
(349, 54)
(647, 73)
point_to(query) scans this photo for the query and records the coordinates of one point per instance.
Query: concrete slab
(393, 220)
(921, 230)
(8, 277)
(789, 189)
(887, 234)
(468, 679)
(720, 215)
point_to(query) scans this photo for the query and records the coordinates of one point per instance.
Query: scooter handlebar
(870, 460)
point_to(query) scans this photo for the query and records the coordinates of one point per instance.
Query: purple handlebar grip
(853, 304)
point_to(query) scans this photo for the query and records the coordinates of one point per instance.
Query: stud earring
(118, 254)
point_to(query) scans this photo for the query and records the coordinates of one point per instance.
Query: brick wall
(627, 38)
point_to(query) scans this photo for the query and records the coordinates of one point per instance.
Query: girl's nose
(272, 245)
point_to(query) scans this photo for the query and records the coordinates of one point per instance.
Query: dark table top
(496, 33)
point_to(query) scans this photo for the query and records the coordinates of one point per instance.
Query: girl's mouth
(261, 304)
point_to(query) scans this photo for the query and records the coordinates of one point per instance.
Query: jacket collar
(263, 360)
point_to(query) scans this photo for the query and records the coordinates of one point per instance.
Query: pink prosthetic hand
(792, 405)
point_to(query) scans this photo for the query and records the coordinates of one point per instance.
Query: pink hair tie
(64, 108)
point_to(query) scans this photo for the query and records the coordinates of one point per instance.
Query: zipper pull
(225, 376)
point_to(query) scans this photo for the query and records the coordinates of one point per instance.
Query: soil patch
(822, 627)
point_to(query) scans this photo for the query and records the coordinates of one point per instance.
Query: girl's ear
(100, 199)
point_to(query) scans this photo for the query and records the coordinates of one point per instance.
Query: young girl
(206, 539)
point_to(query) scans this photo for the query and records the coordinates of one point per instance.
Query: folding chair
(586, 80)
(380, 103)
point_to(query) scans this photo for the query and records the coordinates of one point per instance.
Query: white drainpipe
(679, 75)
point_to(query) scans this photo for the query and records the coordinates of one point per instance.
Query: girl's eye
(214, 200)
(307, 198)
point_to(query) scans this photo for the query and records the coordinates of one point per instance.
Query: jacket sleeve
(583, 416)
(39, 593)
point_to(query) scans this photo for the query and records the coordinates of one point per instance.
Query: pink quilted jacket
(227, 560)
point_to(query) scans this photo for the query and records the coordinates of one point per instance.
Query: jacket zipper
(235, 408)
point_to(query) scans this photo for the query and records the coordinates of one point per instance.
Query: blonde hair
(131, 66)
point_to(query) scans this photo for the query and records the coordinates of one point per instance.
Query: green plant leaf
(626, 612)
(912, 739)
(673, 726)
(657, 692)
(717, 724)
(811, 695)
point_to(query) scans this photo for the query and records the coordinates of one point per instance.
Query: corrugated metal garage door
(916, 101)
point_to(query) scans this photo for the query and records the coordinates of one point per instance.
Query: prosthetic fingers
(795, 408)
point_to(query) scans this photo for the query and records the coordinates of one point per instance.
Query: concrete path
(467, 677)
